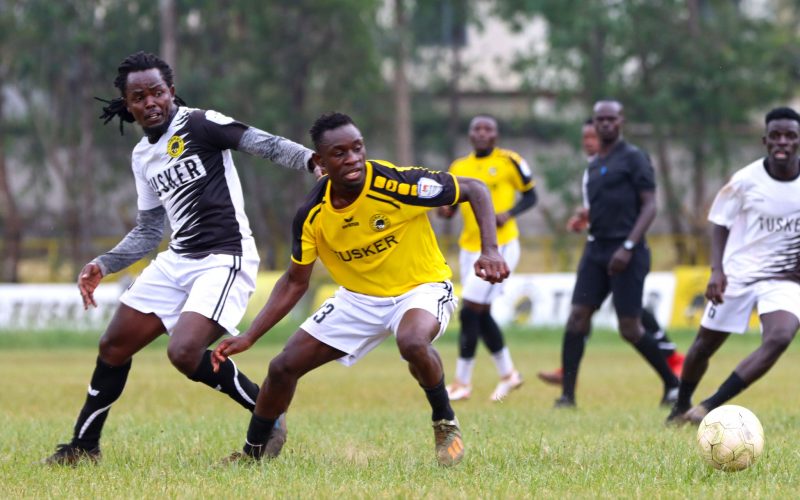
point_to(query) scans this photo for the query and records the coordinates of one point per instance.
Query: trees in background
(694, 74)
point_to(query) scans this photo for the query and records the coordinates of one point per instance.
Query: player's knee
(630, 329)
(578, 322)
(778, 340)
(112, 352)
(413, 348)
(183, 357)
(280, 370)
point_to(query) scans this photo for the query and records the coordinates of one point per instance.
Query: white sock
(503, 363)
(464, 370)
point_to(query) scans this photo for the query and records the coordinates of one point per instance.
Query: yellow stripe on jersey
(382, 244)
(506, 174)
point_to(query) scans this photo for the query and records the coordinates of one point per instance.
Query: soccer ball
(730, 438)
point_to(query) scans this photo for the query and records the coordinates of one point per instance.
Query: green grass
(365, 431)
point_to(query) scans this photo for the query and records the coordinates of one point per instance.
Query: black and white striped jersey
(190, 171)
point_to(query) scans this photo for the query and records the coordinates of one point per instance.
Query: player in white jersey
(755, 262)
(198, 289)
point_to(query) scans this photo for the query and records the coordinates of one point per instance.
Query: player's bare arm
(141, 240)
(619, 261)
(447, 211)
(718, 281)
(490, 266)
(288, 290)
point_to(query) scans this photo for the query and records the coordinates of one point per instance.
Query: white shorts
(217, 286)
(356, 324)
(475, 289)
(733, 315)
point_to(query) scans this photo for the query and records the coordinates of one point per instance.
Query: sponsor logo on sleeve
(428, 188)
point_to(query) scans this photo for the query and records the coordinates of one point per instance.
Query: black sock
(685, 392)
(257, 435)
(648, 348)
(440, 403)
(105, 388)
(470, 331)
(228, 380)
(652, 328)
(571, 354)
(730, 388)
(491, 334)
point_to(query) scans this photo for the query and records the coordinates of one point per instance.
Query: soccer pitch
(365, 431)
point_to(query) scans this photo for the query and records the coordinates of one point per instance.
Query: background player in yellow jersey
(507, 175)
(367, 222)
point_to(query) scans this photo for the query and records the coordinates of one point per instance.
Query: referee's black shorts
(593, 284)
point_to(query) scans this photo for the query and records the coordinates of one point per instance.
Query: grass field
(365, 432)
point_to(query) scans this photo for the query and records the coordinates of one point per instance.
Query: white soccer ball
(730, 438)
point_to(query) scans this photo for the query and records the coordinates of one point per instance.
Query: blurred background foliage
(696, 77)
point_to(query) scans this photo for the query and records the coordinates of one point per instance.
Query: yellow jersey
(505, 173)
(382, 244)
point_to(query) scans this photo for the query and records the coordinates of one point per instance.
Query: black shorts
(593, 283)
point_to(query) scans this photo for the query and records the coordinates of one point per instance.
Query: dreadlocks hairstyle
(328, 121)
(140, 61)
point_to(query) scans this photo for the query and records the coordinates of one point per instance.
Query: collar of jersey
(481, 158)
(364, 190)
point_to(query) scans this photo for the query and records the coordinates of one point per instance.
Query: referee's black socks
(572, 349)
(105, 388)
(228, 380)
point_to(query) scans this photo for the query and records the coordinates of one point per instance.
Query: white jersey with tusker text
(190, 171)
(763, 216)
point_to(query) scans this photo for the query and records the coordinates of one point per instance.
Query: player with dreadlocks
(198, 288)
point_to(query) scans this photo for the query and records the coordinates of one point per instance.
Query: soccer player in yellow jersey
(509, 180)
(367, 222)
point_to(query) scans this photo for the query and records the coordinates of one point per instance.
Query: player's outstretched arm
(275, 148)
(718, 282)
(490, 266)
(288, 290)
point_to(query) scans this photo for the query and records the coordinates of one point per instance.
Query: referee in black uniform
(620, 187)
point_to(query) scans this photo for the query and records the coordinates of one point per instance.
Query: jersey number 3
(323, 311)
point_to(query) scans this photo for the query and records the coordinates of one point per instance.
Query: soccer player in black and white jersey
(367, 222)
(197, 290)
(755, 262)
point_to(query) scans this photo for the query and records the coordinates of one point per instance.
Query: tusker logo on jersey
(379, 222)
(175, 146)
(428, 188)
(176, 175)
(374, 248)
